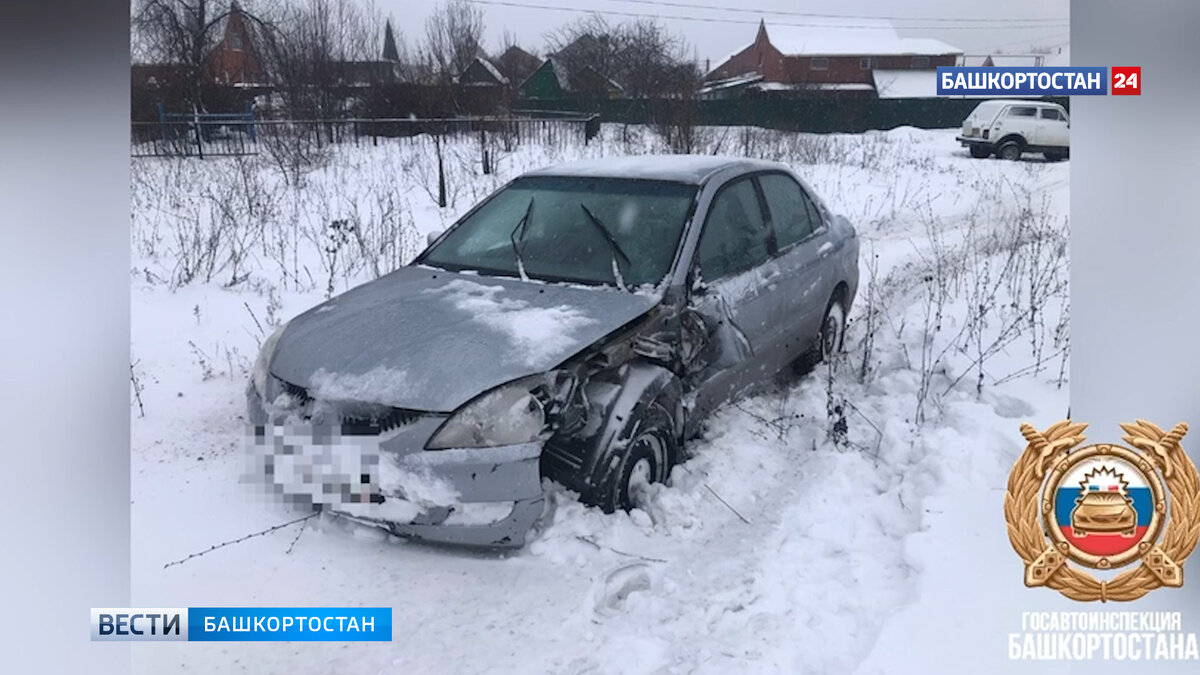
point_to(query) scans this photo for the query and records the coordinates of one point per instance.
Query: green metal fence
(845, 115)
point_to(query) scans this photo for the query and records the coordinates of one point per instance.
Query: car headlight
(507, 415)
(263, 364)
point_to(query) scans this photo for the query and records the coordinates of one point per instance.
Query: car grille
(360, 419)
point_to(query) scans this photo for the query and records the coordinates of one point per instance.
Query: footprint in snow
(613, 589)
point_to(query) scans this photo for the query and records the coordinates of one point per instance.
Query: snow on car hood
(428, 339)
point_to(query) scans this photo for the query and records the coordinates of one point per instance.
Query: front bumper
(456, 496)
(968, 141)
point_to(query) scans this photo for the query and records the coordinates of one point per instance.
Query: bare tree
(590, 42)
(651, 61)
(453, 38)
(183, 33)
(642, 56)
(321, 46)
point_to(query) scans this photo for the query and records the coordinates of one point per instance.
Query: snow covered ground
(836, 524)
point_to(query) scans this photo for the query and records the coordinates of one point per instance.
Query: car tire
(1011, 151)
(646, 458)
(980, 151)
(1054, 156)
(832, 336)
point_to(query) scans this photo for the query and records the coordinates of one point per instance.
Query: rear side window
(735, 234)
(1022, 112)
(1051, 114)
(792, 214)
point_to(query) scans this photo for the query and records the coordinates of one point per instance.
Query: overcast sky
(975, 26)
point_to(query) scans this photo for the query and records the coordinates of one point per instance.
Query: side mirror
(432, 237)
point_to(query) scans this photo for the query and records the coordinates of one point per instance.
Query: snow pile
(374, 385)
(538, 335)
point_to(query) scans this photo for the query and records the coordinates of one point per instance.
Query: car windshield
(591, 230)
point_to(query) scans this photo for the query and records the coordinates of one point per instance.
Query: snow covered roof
(905, 83)
(1002, 60)
(488, 67)
(730, 83)
(811, 86)
(851, 37)
(694, 169)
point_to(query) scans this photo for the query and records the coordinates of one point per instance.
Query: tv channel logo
(242, 624)
(133, 624)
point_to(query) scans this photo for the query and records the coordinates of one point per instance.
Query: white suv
(1010, 128)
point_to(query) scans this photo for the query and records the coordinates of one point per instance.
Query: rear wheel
(833, 330)
(980, 151)
(1055, 156)
(1010, 150)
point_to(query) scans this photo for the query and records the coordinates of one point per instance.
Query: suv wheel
(1056, 156)
(980, 151)
(1010, 150)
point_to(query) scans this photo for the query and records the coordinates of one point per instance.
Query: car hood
(427, 339)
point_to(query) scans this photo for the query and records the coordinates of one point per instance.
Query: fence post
(199, 136)
(441, 178)
(253, 127)
(487, 165)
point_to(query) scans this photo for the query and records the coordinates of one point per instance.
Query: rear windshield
(590, 230)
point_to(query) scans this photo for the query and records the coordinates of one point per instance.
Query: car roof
(1013, 101)
(692, 169)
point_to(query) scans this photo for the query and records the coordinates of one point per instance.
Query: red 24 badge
(1127, 81)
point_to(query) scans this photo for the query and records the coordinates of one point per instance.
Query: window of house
(865, 63)
(792, 214)
(235, 41)
(819, 63)
(920, 62)
(735, 234)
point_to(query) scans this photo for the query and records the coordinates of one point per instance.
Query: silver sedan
(577, 325)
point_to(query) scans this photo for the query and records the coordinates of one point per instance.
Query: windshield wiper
(612, 244)
(519, 242)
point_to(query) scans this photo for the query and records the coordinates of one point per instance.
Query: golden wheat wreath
(1045, 565)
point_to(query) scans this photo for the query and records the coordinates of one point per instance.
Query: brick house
(824, 59)
(234, 60)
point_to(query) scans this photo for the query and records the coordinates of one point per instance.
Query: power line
(816, 15)
(680, 17)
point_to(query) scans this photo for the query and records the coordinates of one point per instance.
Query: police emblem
(1103, 507)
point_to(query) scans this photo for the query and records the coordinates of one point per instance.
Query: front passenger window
(735, 234)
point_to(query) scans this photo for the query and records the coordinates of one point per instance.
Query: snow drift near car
(578, 325)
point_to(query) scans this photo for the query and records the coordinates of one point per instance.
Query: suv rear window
(1050, 114)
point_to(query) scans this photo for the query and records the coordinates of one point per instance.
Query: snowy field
(836, 524)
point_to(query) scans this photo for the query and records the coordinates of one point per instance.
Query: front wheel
(646, 459)
(1010, 151)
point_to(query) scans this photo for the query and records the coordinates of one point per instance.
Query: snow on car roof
(694, 169)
